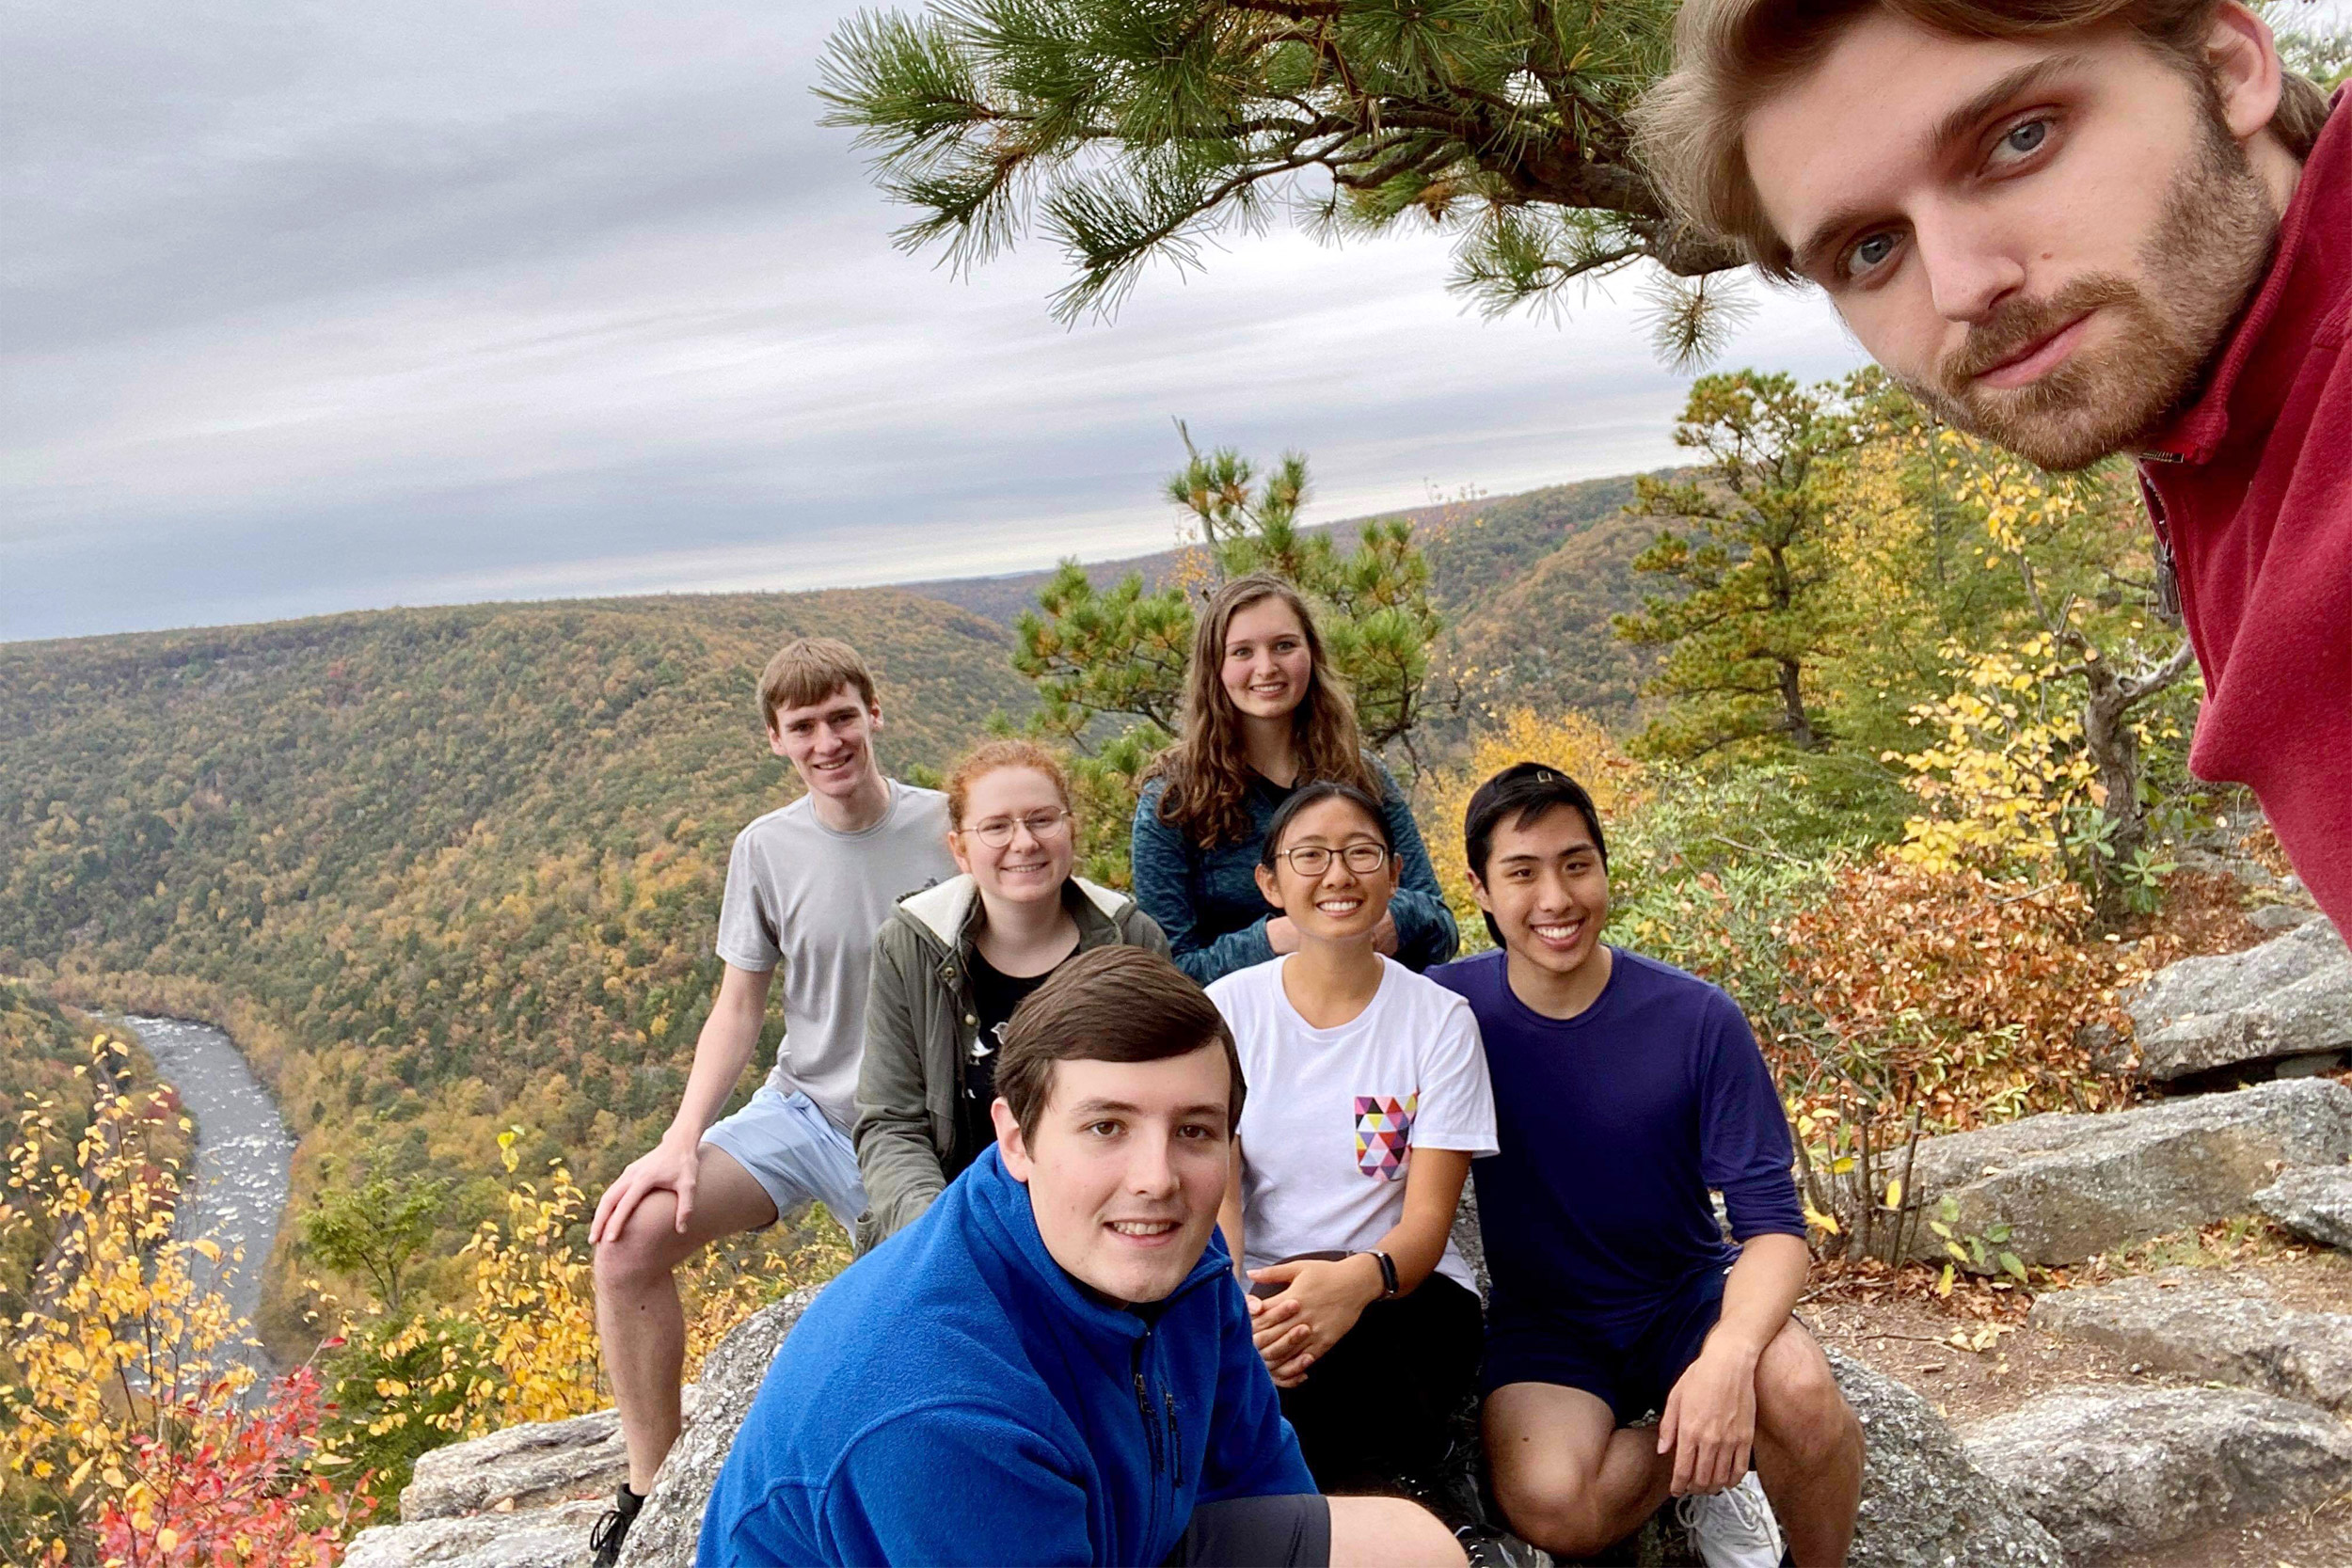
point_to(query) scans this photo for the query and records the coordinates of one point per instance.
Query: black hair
(1528, 789)
(1314, 795)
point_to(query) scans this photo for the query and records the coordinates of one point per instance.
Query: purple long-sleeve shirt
(1613, 1125)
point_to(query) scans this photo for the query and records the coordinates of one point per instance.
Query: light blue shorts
(794, 1153)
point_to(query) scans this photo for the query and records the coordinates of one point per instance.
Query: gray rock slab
(2280, 917)
(2201, 1324)
(2313, 1201)
(665, 1533)
(2119, 1471)
(1469, 1241)
(524, 1466)
(555, 1537)
(1923, 1504)
(2291, 996)
(2070, 1185)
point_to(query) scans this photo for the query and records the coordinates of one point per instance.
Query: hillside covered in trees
(1887, 730)
(1527, 584)
(441, 870)
(449, 871)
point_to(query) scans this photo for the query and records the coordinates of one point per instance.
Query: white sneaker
(1733, 1529)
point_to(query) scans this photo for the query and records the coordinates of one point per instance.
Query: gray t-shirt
(800, 895)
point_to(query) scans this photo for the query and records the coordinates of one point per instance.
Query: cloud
(312, 308)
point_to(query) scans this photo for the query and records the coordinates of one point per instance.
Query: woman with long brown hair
(1264, 714)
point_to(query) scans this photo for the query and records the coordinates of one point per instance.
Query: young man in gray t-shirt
(808, 887)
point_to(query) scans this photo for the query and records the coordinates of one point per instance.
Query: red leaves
(224, 1487)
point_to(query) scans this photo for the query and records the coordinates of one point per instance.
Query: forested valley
(1889, 731)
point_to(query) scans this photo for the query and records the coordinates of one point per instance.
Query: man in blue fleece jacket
(1054, 1364)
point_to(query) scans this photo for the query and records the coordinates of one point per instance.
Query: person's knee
(1389, 1532)
(641, 1252)
(1803, 1410)
(1552, 1518)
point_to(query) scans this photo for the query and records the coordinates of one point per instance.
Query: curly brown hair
(1208, 771)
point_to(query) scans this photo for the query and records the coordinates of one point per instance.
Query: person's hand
(1281, 935)
(1709, 1422)
(1320, 1301)
(1384, 935)
(670, 1165)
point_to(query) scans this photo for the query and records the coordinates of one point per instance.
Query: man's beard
(2198, 267)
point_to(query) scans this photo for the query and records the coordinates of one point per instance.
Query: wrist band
(1387, 1272)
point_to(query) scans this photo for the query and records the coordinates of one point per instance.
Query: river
(244, 1158)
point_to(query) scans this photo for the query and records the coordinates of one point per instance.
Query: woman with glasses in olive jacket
(952, 962)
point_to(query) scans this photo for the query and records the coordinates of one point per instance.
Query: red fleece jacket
(2252, 487)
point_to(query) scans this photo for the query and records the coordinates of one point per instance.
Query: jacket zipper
(1175, 1439)
(1151, 1428)
(1151, 1440)
(2168, 569)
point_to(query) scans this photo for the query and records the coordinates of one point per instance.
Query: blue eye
(2025, 138)
(1871, 251)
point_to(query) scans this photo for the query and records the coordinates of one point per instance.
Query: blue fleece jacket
(955, 1397)
(1208, 903)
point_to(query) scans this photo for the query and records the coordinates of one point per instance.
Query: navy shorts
(1632, 1379)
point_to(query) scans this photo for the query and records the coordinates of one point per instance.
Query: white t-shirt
(1333, 1115)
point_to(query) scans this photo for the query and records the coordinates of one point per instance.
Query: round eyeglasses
(1313, 860)
(996, 831)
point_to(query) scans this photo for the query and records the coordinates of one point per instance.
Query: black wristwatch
(1387, 1272)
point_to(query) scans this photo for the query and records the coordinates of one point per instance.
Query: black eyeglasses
(998, 831)
(1313, 860)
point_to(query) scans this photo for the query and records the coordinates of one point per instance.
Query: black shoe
(605, 1540)
(1500, 1549)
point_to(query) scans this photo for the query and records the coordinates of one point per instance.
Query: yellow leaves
(1569, 741)
(1998, 785)
(1820, 1220)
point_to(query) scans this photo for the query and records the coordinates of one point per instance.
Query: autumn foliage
(132, 1432)
(238, 1486)
(1941, 990)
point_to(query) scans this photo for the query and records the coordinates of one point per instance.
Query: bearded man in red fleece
(2077, 228)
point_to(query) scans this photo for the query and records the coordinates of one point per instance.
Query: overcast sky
(308, 307)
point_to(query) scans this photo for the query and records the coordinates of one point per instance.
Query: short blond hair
(1732, 54)
(808, 669)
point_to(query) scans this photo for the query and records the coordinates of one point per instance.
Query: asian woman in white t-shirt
(1368, 1100)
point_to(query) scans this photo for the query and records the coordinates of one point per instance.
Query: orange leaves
(1949, 991)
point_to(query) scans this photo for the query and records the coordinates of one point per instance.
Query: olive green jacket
(920, 1025)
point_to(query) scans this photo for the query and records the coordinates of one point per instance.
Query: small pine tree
(1755, 607)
